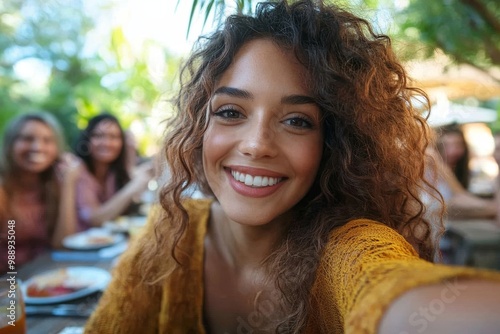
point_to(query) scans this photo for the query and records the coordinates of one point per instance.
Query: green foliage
(75, 84)
(217, 8)
(466, 30)
(68, 80)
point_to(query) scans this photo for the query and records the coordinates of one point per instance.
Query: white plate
(124, 224)
(93, 279)
(93, 238)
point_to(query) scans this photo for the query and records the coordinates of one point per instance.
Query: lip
(255, 192)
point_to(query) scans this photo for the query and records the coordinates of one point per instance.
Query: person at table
(298, 122)
(454, 151)
(34, 179)
(460, 203)
(108, 185)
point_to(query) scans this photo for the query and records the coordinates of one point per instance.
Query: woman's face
(35, 148)
(106, 142)
(263, 145)
(453, 147)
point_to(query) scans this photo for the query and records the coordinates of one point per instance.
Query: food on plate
(55, 283)
(125, 224)
(100, 239)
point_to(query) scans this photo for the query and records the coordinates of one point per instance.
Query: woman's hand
(69, 167)
(141, 176)
(68, 170)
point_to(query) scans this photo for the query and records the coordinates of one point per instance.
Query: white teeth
(37, 157)
(248, 180)
(265, 181)
(255, 181)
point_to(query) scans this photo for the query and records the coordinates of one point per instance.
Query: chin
(251, 217)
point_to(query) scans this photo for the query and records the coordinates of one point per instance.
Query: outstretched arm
(376, 283)
(461, 306)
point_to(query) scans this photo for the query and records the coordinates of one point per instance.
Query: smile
(37, 157)
(255, 181)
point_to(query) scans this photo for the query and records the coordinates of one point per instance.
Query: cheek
(18, 149)
(307, 157)
(54, 151)
(119, 146)
(215, 145)
(93, 145)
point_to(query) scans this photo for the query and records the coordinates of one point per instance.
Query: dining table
(69, 316)
(473, 242)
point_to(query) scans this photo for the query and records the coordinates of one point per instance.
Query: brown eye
(228, 113)
(299, 122)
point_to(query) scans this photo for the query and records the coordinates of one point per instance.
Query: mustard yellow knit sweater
(365, 266)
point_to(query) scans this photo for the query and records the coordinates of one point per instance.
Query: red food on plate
(55, 283)
(49, 291)
(100, 240)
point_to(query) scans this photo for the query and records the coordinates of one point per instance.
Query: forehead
(36, 127)
(263, 65)
(107, 126)
(452, 137)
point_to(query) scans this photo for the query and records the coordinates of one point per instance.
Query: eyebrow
(234, 92)
(289, 99)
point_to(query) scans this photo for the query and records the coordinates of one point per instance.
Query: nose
(37, 144)
(258, 141)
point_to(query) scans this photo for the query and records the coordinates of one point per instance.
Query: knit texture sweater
(364, 267)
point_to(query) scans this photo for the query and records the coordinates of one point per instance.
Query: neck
(244, 247)
(100, 170)
(26, 180)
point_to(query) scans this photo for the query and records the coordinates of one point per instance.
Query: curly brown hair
(374, 147)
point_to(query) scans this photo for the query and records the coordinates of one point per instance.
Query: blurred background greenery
(59, 56)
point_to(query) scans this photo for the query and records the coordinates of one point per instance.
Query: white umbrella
(452, 113)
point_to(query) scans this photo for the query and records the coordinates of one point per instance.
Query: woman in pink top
(106, 189)
(33, 179)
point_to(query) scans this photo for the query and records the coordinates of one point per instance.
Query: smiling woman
(297, 124)
(261, 105)
(106, 187)
(32, 172)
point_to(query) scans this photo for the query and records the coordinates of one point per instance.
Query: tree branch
(483, 11)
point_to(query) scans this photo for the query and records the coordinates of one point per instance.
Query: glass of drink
(12, 316)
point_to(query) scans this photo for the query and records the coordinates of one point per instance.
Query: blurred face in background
(106, 142)
(453, 148)
(35, 148)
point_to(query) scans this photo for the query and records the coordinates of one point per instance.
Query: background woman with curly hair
(298, 125)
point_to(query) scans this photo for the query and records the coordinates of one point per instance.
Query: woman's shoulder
(85, 177)
(196, 209)
(368, 235)
(361, 225)
(196, 206)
